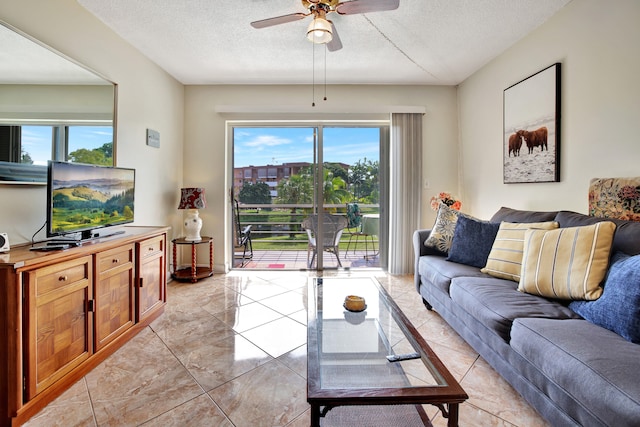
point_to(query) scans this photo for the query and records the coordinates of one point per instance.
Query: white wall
(597, 42)
(205, 161)
(147, 98)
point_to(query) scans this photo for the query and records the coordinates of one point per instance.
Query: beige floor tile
(138, 382)
(489, 392)
(213, 363)
(248, 316)
(278, 337)
(286, 303)
(296, 360)
(299, 316)
(71, 408)
(258, 289)
(199, 412)
(470, 416)
(270, 395)
(180, 325)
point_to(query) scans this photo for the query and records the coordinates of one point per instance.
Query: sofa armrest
(419, 236)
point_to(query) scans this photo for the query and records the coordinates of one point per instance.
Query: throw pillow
(505, 259)
(566, 263)
(442, 231)
(618, 309)
(472, 241)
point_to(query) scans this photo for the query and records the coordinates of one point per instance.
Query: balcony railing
(278, 226)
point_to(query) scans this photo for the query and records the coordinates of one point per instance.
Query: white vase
(193, 225)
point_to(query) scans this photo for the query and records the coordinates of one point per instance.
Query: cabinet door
(151, 280)
(114, 294)
(58, 324)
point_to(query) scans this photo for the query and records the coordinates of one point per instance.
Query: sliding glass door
(310, 194)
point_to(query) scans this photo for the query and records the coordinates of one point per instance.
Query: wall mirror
(51, 108)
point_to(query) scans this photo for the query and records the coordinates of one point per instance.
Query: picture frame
(531, 131)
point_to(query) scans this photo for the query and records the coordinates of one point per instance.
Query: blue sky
(36, 140)
(271, 145)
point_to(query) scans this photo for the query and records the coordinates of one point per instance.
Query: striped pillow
(505, 258)
(566, 263)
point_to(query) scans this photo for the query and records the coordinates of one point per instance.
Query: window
(37, 144)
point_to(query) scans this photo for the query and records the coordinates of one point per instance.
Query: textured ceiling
(422, 42)
(438, 42)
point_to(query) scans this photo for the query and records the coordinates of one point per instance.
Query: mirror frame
(37, 174)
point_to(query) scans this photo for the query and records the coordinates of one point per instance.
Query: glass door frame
(318, 127)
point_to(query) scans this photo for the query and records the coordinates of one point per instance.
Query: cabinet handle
(141, 282)
(115, 260)
(62, 278)
(151, 249)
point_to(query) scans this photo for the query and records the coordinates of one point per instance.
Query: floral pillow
(442, 231)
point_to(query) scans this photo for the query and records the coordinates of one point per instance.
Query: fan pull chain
(325, 72)
(313, 75)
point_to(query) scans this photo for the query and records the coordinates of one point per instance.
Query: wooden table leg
(211, 256)
(175, 258)
(453, 415)
(315, 415)
(194, 279)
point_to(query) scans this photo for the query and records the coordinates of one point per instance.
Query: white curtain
(406, 190)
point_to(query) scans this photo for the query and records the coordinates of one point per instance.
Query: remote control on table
(401, 357)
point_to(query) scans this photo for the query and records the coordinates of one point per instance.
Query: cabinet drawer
(114, 258)
(63, 274)
(151, 247)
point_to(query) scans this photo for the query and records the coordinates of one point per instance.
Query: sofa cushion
(618, 309)
(496, 303)
(437, 271)
(472, 241)
(626, 239)
(515, 215)
(566, 263)
(597, 367)
(441, 234)
(505, 258)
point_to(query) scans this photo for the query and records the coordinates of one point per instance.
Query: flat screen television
(83, 198)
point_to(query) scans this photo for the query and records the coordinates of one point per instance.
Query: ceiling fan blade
(278, 20)
(335, 43)
(366, 6)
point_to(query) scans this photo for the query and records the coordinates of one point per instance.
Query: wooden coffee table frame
(447, 396)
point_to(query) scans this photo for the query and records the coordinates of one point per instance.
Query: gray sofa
(572, 371)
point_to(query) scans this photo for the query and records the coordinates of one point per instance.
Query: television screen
(82, 198)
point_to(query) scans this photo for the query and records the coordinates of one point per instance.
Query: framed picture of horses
(531, 134)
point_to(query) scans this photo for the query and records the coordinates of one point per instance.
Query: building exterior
(269, 174)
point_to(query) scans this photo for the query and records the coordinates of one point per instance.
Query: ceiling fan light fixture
(319, 31)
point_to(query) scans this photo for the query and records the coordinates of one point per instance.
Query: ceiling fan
(322, 30)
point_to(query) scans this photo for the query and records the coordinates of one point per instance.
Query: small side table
(192, 273)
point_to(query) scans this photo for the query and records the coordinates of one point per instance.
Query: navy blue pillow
(472, 241)
(618, 309)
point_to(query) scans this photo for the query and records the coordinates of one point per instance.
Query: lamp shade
(319, 31)
(192, 198)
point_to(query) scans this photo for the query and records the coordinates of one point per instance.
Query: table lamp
(192, 199)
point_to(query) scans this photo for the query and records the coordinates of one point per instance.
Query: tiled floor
(231, 351)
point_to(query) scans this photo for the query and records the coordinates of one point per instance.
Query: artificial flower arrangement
(447, 199)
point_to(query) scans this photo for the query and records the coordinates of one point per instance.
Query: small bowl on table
(354, 303)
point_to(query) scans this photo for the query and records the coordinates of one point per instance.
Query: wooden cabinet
(151, 276)
(114, 293)
(63, 312)
(58, 324)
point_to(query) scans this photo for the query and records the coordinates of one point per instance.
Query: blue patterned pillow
(618, 309)
(472, 241)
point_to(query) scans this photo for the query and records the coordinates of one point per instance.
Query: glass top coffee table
(347, 354)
